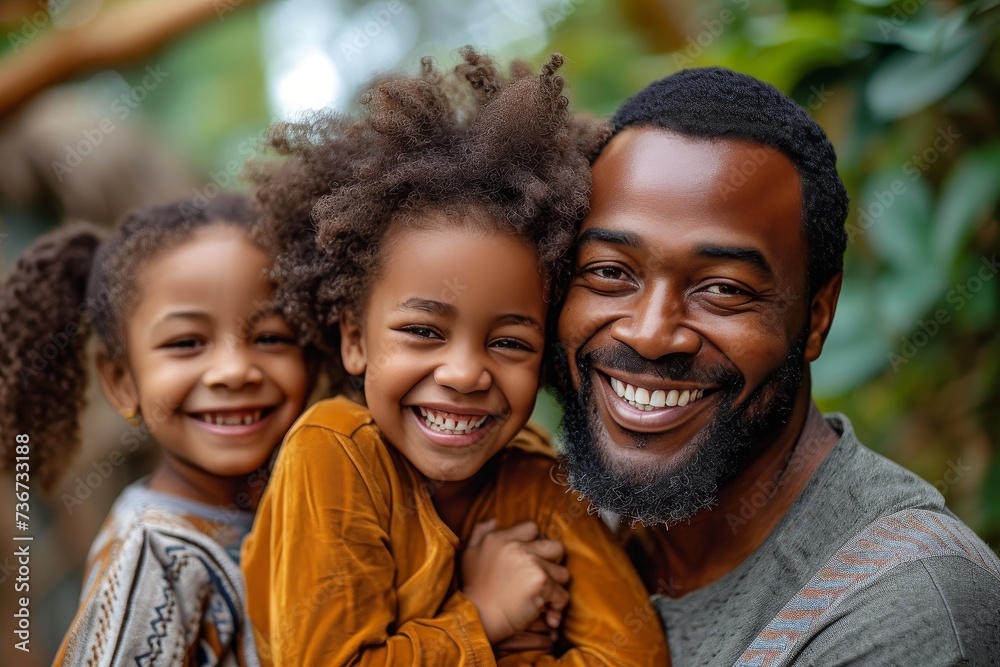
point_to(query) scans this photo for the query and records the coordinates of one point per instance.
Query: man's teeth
(232, 418)
(437, 421)
(644, 399)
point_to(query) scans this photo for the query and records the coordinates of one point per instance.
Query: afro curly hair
(434, 145)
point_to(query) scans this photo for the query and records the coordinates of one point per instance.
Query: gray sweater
(928, 612)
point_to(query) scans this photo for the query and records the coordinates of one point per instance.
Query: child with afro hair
(423, 245)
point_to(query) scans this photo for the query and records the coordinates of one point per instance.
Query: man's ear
(824, 305)
(118, 385)
(352, 346)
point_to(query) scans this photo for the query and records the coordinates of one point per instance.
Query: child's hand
(510, 576)
(538, 636)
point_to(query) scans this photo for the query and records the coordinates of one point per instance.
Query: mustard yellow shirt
(349, 563)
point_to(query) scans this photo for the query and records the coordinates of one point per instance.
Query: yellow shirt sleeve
(609, 620)
(321, 577)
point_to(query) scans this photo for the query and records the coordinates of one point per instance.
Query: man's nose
(659, 325)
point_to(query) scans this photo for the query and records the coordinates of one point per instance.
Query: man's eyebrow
(427, 306)
(747, 255)
(609, 236)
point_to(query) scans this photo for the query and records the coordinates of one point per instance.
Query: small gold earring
(131, 415)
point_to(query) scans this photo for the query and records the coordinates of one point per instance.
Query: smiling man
(706, 279)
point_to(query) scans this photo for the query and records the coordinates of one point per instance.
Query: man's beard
(723, 449)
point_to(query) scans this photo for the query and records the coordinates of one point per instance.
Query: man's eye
(724, 289)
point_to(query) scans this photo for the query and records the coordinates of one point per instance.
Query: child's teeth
(436, 422)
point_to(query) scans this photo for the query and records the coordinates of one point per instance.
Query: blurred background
(109, 105)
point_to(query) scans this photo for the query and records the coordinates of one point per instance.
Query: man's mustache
(681, 368)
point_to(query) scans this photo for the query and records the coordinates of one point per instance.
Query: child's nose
(232, 366)
(464, 371)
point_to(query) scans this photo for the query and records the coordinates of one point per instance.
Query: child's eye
(275, 339)
(512, 344)
(609, 273)
(422, 332)
(184, 344)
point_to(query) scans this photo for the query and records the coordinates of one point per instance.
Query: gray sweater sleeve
(935, 612)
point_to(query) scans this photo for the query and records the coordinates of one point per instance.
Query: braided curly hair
(66, 285)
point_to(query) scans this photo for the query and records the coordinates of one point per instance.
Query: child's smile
(450, 344)
(216, 371)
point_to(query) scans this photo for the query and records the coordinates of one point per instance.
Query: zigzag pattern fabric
(160, 592)
(894, 540)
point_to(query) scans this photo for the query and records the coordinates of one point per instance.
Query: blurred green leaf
(901, 235)
(904, 296)
(906, 82)
(969, 193)
(855, 349)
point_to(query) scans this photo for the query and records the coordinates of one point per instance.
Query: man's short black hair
(715, 102)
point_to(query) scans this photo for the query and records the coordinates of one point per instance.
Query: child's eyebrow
(184, 314)
(523, 320)
(428, 306)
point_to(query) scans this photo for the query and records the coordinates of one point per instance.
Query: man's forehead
(651, 167)
(674, 193)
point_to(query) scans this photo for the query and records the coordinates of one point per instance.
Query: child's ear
(352, 346)
(118, 385)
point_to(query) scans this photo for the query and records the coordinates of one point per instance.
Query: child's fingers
(558, 599)
(550, 550)
(557, 573)
(526, 531)
(480, 530)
